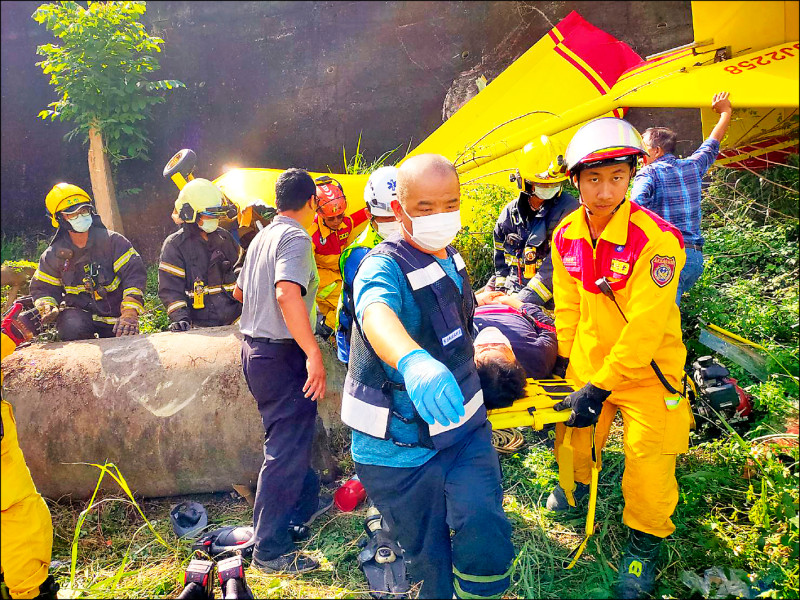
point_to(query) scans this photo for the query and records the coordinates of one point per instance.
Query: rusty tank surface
(171, 410)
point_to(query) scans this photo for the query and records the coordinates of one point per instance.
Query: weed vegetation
(738, 507)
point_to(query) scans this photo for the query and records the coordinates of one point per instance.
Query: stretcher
(535, 410)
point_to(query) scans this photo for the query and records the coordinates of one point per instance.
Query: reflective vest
(446, 326)
(368, 239)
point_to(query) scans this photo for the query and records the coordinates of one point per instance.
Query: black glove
(586, 405)
(180, 326)
(560, 368)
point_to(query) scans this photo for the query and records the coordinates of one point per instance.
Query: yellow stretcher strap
(536, 410)
(576, 554)
(566, 469)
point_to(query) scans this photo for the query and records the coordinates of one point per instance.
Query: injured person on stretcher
(513, 341)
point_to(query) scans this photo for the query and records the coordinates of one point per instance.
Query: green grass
(738, 506)
(358, 164)
(713, 529)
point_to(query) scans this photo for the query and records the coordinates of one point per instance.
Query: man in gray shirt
(282, 364)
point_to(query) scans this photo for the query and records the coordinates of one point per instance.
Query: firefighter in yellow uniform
(615, 274)
(27, 530)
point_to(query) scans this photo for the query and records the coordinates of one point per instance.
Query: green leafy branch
(100, 70)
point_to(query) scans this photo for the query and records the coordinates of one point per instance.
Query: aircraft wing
(687, 78)
(574, 63)
(769, 133)
(246, 187)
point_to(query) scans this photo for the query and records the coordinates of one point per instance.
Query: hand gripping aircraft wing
(749, 49)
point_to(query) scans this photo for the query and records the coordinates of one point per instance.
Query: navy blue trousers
(288, 488)
(459, 489)
(77, 324)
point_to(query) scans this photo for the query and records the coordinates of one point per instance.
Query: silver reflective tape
(364, 417)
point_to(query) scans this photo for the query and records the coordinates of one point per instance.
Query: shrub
(474, 242)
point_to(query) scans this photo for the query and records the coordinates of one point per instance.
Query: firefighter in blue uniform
(525, 227)
(421, 441)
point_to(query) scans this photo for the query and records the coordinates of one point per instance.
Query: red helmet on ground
(331, 201)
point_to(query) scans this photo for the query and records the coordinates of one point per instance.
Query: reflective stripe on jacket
(108, 263)
(185, 258)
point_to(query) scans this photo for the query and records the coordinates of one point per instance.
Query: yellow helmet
(541, 162)
(62, 197)
(199, 196)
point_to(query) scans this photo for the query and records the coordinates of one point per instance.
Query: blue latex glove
(432, 388)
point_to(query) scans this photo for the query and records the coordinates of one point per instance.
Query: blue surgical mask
(81, 223)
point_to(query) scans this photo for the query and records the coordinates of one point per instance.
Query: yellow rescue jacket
(641, 256)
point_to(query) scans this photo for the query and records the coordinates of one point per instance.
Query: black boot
(557, 500)
(637, 571)
(48, 590)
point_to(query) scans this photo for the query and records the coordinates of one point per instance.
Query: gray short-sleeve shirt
(280, 252)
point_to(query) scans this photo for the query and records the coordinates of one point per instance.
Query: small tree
(100, 72)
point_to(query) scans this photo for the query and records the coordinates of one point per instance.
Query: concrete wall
(278, 84)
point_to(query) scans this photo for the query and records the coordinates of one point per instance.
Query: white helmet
(380, 190)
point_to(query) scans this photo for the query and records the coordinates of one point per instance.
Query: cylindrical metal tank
(171, 410)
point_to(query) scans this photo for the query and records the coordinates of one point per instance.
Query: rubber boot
(557, 501)
(48, 590)
(637, 571)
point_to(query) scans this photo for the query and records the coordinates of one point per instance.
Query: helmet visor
(76, 209)
(214, 211)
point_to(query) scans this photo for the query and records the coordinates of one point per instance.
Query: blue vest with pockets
(446, 334)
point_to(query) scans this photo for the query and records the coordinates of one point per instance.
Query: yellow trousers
(26, 530)
(652, 435)
(328, 300)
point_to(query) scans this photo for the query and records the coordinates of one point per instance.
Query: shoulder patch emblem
(662, 269)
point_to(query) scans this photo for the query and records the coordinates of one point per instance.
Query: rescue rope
(507, 441)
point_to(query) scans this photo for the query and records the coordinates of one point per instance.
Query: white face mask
(545, 193)
(210, 225)
(387, 228)
(434, 232)
(81, 223)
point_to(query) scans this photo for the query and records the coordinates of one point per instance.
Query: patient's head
(502, 377)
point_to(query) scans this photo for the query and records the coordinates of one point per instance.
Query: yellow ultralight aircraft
(747, 48)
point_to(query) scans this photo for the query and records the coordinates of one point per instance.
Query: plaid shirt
(671, 187)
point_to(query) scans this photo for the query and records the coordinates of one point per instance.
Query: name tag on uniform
(570, 261)
(620, 266)
(452, 336)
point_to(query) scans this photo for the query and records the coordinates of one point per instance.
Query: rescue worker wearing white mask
(379, 193)
(195, 272)
(524, 229)
(421, 441)
(94, 272)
